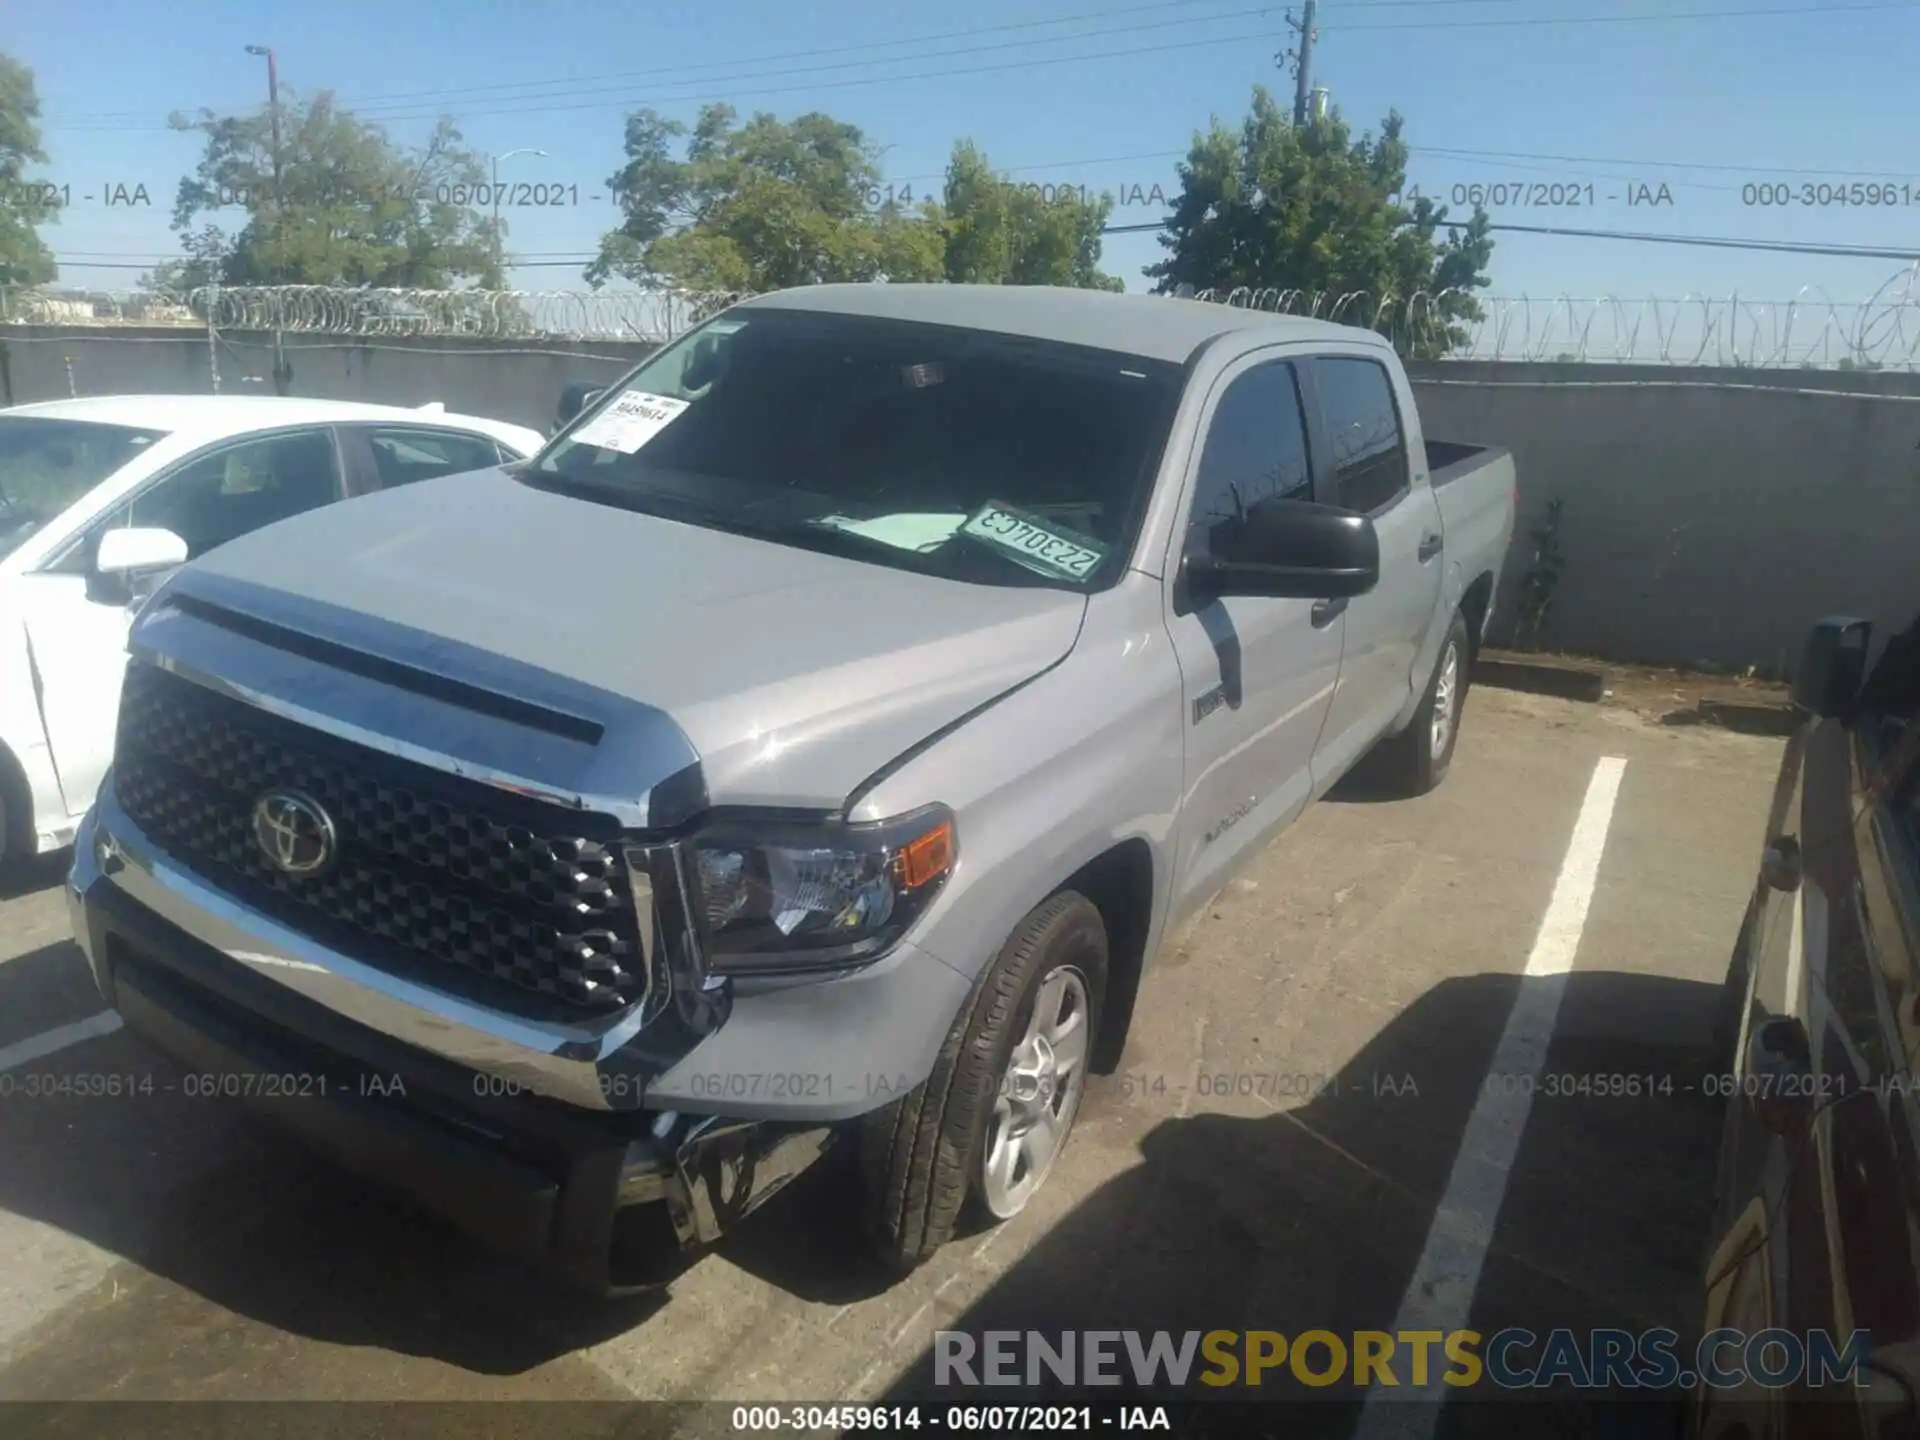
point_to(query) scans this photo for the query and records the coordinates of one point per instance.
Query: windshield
(47, 464)
(982, 457)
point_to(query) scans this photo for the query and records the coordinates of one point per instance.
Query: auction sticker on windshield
(1051, 549)
(633, 419)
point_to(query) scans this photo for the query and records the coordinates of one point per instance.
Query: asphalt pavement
(1281, 1150)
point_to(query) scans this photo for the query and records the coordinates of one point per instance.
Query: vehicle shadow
(34, 873)
(220, 1209)
(102, 1142)
(1315, 1217)
(1311, 1217)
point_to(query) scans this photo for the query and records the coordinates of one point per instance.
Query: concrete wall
(519, 381)
(1709, 516)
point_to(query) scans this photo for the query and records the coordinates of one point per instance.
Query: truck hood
(793, 675)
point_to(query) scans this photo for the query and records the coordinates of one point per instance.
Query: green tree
(770, 204)
(1309, 208)
(1002, 233)
(24, 257)
(350, 206)
(759, 206)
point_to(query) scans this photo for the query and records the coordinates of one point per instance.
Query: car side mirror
(574, 398)
(132, 550)
(1833, 666)
(1290, 549)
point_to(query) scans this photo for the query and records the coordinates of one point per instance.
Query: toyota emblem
(293, 832)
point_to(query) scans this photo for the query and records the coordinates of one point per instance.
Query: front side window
(1363, 431)
(980, 457)
(48, 464)
(1255, 455)
(239, 489)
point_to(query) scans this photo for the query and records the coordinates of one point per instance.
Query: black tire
(918, 1155)
(16, 819)
(1409, 761)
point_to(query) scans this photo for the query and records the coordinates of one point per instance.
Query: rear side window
(1256, 453)
(1363, 431)
(402, 456)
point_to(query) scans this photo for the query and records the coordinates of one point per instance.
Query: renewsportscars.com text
(1511, 1359)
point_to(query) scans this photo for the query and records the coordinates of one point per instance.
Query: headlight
(779, 898)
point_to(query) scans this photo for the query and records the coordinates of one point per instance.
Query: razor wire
(1881, 332)
(1810, 330)
(651, 316)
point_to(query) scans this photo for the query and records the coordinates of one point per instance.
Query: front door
(77, 621)
(1257, 674)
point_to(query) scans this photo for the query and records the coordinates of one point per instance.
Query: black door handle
(1431, 546)
(1325, 612)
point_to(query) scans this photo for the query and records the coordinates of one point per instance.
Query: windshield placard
(633, 419)
(1050, 549)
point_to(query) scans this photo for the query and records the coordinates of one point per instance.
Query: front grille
(431, 871)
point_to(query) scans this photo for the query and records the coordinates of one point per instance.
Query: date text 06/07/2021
(196, 1085)
(961, 1419)
(1570, 194)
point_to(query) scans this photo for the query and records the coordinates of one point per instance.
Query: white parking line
(12, 1057)
(1441, 1292)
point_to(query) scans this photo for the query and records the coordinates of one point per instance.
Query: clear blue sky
(1822, 93)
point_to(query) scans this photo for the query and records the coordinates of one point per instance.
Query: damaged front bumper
(608, 1197)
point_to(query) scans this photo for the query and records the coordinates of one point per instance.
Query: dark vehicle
(575, 396)
(1816, 1223)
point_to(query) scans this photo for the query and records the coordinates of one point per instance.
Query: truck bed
(1448, 460)
(1475, 488)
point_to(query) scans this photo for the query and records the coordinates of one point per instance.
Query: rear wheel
(987, 1125)
(1416, 760)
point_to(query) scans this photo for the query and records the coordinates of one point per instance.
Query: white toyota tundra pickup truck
(813, 743)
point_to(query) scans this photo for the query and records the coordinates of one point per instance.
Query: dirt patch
(1687, 697)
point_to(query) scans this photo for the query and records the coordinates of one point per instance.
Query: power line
(638, 101)
(1621, 19)
(1647, 164)
(1783, 247)
(408, 112)
(1185, 45)
(388, 98)
(782, 71)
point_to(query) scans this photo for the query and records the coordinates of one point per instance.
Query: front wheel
(988, 1124)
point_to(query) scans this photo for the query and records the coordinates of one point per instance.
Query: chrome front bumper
(593, 1063)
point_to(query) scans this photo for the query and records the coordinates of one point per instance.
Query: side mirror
(1290, 549)
(1832, 666)
(575, 397)
(128, 551)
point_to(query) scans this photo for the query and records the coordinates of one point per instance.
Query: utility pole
(499, 240)
(1302, 63)
(282, 371)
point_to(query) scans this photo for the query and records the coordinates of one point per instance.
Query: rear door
(1374, 474)
(1257, 674)
(77, 621)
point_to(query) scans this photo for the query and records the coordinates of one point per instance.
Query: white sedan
(99, 497)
